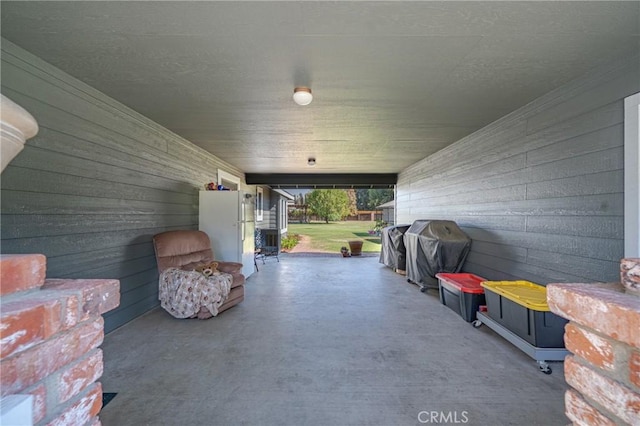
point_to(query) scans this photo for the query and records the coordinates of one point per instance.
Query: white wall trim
(632, 176)
(228, 177)
(259, 204)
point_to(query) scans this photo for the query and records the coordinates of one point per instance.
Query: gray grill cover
(393, 254)
(434, 246)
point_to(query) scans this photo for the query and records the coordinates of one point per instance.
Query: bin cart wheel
(544, 367)
(476, 324)
(423, 289)
(409, 280)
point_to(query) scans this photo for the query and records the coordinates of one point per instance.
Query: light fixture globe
(311, 161)
(302, 95)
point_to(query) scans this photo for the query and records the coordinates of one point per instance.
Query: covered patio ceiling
(393, 82)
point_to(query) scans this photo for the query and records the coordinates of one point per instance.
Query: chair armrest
(229, 267)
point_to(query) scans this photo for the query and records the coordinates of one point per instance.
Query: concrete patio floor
(324, 341)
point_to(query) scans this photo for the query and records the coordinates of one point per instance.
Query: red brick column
(604, 338)
(50, 331)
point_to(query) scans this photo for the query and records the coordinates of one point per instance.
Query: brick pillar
(50, 330)
(604, 337)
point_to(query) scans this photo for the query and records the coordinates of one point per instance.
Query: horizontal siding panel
(77, 131)
(120, 270)
(29, 180)
(587, 205)
(595, 162)
(60, 96)
(488, 270)
(149, 277)
(600, 140)
(595, 248)
(585, 101)
(600, 118)
(507, 193)
(99, 164)
(597, 183)
(601, 161)
(29, 203)
(129, 298)
(15, 226)
(34, 66)
(586, 268)
(602, 227)
(461, 173)
(118, 317)
(77, 264)
(525, 271)
(516, 254)
(469, 151)
(509, 223)
(60, 245)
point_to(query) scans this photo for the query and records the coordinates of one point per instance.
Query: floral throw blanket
(183, 293)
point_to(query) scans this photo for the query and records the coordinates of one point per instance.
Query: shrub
(379, 225)
(290, 241)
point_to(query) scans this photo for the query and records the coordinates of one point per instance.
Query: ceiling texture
(393, 82)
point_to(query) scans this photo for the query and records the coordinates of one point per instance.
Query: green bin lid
(525, 293)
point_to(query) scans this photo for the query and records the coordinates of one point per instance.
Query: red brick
(97, 296)
(602, 307)
(26, 322)
(581, 413)
(80, 375)
(596, 349)
(634, 368)
(34, 364)
(39, 402)
(83, 410)
(71, 315)
(20, 272)
(619, 400)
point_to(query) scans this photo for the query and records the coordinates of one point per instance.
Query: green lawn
(333, 235)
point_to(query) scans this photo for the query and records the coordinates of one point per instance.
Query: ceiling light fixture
(302, 95)
(311, 161)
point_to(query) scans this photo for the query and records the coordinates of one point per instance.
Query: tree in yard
(329, 204)
(369, 199)
(353, 204)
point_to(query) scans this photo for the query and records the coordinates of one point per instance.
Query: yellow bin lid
(525, 293)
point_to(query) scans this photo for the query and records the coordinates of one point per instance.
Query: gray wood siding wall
(96, 183)
(269, 209)
(273, 209)
(539, 191)
(265, 223)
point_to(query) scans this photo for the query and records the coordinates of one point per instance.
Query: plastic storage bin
(521, 306)
(463, 293)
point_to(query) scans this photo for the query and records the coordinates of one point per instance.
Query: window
(259, 207)
(282, 213)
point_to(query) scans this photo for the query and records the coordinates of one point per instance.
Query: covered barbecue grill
(393, 253)
(434, 246)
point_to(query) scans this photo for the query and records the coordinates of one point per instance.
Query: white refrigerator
(224, 217)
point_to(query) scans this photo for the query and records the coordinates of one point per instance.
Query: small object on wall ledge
(211, 186)
(630, 275)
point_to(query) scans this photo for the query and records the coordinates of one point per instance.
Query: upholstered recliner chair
(189, 249)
